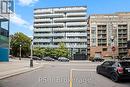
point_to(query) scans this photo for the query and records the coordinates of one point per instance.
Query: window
(126, 64)
(7, 6)
(104, 49)
(106, 63)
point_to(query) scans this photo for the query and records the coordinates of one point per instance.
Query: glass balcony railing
(42, 40)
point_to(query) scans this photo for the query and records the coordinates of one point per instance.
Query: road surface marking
(71, 74)
(71, 78)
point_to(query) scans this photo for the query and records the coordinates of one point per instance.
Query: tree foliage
(38, 51)
(17, 39)
(61, 51)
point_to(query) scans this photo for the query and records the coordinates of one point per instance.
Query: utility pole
(20, 53)
(31, 59)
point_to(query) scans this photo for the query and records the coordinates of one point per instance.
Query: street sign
(113, 48)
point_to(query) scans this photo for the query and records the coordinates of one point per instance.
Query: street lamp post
(31, 59)
(20, 52)
(112, 45)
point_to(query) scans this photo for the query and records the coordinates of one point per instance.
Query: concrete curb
(17, 72)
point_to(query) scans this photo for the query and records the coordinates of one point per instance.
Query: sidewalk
(15, 67)
(80, 61)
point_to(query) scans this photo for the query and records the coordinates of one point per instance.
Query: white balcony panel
(71, 9)
(58, 34)
(71, 29)
(70, 19)
(49, 15)
(50, 46)
(43, 35)
(77, 46)
(43, 11)
(70, 40)
(43, 30)
(42, 20)
(76, 34)
(49, 25)
(77, 24)
(76, 14)
(42, 40)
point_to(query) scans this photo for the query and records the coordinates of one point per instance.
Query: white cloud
(27, 2)
(17, 19)
(31, 27)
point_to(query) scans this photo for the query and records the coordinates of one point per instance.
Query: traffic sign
(113, 48)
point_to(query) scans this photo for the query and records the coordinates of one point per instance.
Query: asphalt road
(56, 74)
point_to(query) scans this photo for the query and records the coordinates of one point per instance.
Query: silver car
(63, 59)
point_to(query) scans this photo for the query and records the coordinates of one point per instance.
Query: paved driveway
(56, 74)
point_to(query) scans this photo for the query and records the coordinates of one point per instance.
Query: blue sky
(22, 20)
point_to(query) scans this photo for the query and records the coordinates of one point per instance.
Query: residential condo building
(61, 24)
(6, 7)
(106, 31)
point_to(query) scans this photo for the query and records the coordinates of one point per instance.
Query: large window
(93, 37)
(7, 6)
(4, 33)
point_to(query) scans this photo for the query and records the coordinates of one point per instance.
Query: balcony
(76, 34)
(122, 33)
(122, 51)
(122, 36)
(59, 34)
(49, 15)
(77, 46)
(42, 40)
(43, 35)
(70, 40)
(122, 40)
(75, 14)
(50, 46)
(76, 24)
(43, 30)
(122, 28)
(82, 19)
(102, 32)
(99, 28)
(70, 29)
(42, 20)
(49, 25)
(102, 37)
(70, 9)
(41, 11)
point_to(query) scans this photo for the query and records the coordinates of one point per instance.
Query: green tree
(17, 39)
(62, 51)
(40, 52)
(48, 51)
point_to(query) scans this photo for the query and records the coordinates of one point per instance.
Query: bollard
(31, 62)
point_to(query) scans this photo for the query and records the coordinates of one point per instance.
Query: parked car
(125, 58)
(48, 59)
(95, 59)
(63, 59)
(35, 58)
(116, 70)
